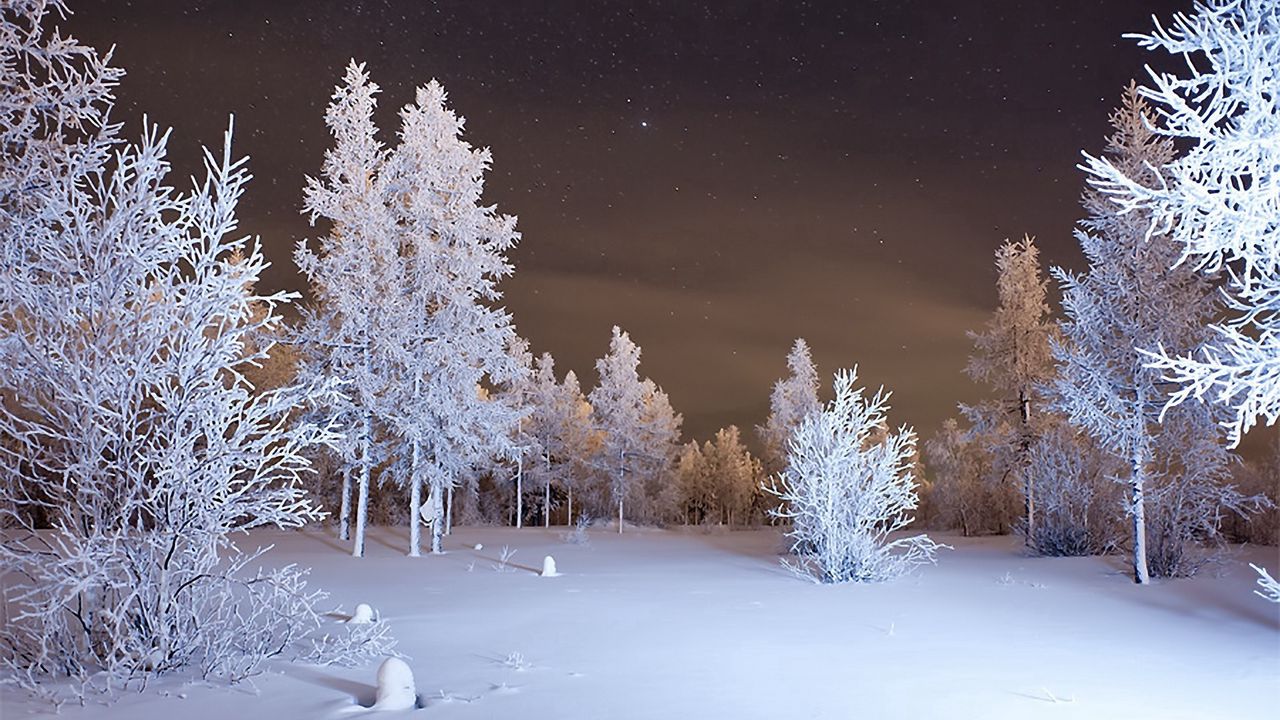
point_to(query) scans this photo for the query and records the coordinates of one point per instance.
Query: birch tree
(132, 446)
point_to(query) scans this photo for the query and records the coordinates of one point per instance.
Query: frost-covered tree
(579, 440)
(132, 446)
(848, 486)
(560, 426)
(1132, 299)
(521, 447)
(654, 494)
(731, 474)
(697, 496)
(1014, 357)
(352, 271)
(793, 398)
(1218, 202)
(448, 341)
(635, 426)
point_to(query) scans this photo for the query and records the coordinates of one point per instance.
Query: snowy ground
(659, 625)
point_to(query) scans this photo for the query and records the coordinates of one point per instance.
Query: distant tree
(639, 431)
(1132, 299)
(733, 475)
(522, 441)
(966, 494)
(847, 487)
(654, 495)
(1014, 357)
(697, 496)
(578, 439)
(793, 399)
(132, 447)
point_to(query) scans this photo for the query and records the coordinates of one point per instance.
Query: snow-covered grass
(655, 625)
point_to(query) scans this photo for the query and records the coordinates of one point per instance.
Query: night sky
(716, 180)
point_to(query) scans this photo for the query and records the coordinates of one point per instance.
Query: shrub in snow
(967, 494)
(1078, 501)
(549, 567)
(580, 534)
(396, 690)
(847, 486)
(133, 444)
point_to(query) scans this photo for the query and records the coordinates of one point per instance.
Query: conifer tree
(1014, 357)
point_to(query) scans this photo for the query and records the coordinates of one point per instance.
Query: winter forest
(369, 493)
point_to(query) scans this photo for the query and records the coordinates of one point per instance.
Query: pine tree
(1132, 299)
(623, 407)
(352, 273)
(793, 399)
(1014, 357)
(447, 341)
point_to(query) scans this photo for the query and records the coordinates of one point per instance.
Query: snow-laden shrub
(970, 492)
(1078, 502)
(847, 486)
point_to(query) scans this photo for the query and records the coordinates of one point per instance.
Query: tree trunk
(415, 502)
(569, 518)
(344, 515)
(1024, 461)
(448, 512)
(519, 490)
(437, 517)
(546, 497)
(362, 502)
(1138, 509)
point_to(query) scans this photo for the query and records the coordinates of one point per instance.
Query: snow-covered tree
(449, 342)
(654, 494)
(1132, 299)
(579, 440)
(1218, 202)
(521, 448)
(132, 447)
(847, 487)
(732, 475)
(635, 426)
(1014, 357)
(793, 398)
(560, 426)
(697, 495)
(352, 272)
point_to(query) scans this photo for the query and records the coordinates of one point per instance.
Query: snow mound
(396, 690)
(479, 546)
(549, 567)
(362, 616)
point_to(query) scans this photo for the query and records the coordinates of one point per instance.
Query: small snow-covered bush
(847, 486)
(970, 492)
(1078, 504)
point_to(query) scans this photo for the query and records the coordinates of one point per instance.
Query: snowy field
(657, 625)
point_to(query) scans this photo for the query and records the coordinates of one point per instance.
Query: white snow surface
(687, 624)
